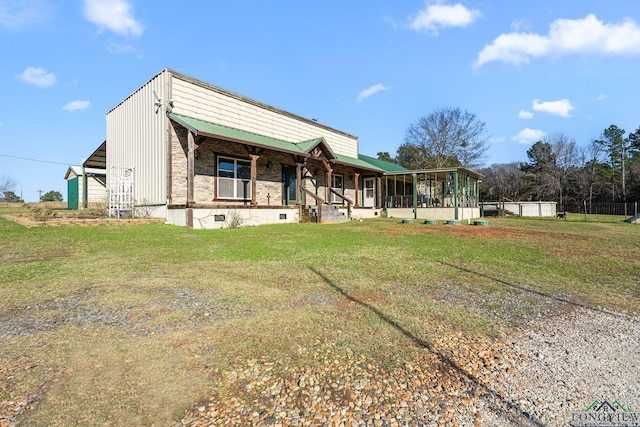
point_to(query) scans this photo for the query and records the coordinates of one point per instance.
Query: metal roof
(382, 164)
(227, 133)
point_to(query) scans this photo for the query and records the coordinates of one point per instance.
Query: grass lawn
(132, 325)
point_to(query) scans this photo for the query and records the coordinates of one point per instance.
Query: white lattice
(121, 192)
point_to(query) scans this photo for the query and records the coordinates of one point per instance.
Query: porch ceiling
(97, 159)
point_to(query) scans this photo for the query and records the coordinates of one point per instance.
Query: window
(234, 178)
(337, 184)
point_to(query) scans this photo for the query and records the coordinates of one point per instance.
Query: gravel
(539, 375)
(563, 365)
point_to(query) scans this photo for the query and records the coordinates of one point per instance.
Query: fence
(626, 209)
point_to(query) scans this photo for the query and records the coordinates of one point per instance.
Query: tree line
(606, 170)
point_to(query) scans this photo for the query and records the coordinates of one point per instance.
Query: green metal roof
(310, 144)
(359, 163)
(203, 127)
(382, 164)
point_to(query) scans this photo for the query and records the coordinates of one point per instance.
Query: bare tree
(7, 183)
(445, 138)
(501, 181)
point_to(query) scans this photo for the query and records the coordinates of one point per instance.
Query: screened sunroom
(432, 193)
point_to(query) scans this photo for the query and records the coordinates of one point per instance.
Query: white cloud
(602, 97)
(38, 77)
(525, 114)
(76, 105)
(368, 92)
(16, 14)
(565, 36)
(562, 107)
(528, 136)
(112, 15)
(435, 16)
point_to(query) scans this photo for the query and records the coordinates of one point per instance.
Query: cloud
(562, 107)
(368, 92)
(112, 15)
(16, 14)
(528, 136)
(525, 114)
(438, 15)
(76, 105)
(565, 36)
(602, 97)
(38, 77)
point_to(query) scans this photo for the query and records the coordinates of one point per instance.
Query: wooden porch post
(191, 171)
(378, 192)
(356, 179)
(299, 167)
(191, 167)
(254, 179)
(328, 170)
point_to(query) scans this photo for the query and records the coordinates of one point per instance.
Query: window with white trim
(234, 178)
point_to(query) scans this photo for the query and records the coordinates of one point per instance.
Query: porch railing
(319, 201)
(346, 199)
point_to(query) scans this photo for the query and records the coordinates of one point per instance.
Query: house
(204, 157)
(86, 185)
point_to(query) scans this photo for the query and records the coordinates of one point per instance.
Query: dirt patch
(490, 233)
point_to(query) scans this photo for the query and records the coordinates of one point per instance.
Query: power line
(34, 160)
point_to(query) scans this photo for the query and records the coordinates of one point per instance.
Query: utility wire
(34, 160)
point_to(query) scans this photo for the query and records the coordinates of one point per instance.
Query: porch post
(378, 192)
(191, 171)
(254, 178)
(191, 167)
(356, 179)
(328, 171)
(455, 193)
(415, 195)
(299, 182)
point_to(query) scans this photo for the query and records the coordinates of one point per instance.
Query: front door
(290, 196)
(72, 193)
(369, 193)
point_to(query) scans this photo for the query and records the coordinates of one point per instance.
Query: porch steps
(330, 214)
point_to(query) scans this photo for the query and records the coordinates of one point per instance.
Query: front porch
(443, 194)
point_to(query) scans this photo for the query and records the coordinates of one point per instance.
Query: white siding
(199, 100)
(136, 137)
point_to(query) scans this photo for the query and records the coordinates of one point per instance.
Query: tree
(51, 196)
(11, 197)
(617, 149)
(384, 155)
(448, 137)
(553, 164)
(501, 181)
(7, 183)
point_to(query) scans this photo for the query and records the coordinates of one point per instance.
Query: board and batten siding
(202, 101)
(136, 137)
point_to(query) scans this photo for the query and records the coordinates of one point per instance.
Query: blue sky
(528, 69)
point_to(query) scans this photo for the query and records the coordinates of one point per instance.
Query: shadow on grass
(532, 291)
(512, 410)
